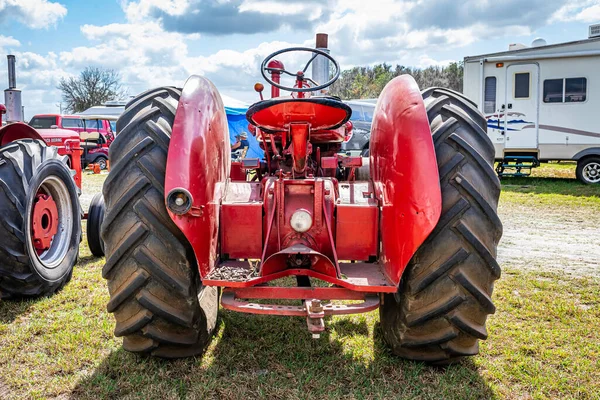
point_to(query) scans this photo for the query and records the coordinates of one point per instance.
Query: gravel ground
(550, 238)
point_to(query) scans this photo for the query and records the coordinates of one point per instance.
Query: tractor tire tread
(156, 294)
(19, 162)
(94, 223)
(444, 297)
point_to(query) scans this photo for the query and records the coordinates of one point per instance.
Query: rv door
(522, 106)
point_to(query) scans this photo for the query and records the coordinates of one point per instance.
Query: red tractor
(40, 226)
(412, 230)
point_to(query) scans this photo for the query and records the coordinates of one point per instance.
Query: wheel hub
(44, 221)
(592, 172)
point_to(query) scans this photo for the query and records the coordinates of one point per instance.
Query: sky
(162, 42)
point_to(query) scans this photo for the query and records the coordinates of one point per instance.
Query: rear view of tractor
(411, 230)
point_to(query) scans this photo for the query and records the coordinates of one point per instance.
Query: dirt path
(550, 239)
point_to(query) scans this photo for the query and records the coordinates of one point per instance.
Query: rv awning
(525, 57)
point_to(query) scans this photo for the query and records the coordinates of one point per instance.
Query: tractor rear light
(179, 201)
(301, 221)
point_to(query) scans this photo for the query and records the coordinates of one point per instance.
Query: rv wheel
(588, 170)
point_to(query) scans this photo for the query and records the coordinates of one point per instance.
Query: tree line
(368, 82)
(95, 86)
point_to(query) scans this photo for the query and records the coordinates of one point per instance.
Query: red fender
(404, 172)
(16, 131)
(199, 161)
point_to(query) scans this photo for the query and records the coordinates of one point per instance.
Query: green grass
(544, 342)
(551, 184)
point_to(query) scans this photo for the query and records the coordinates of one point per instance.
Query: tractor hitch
(313, 308)
(314, 319)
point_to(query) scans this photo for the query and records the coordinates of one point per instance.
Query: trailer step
(516, 166)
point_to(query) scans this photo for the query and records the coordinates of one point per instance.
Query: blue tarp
(236, 118)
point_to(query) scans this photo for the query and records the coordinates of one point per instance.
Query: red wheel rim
(44, 221)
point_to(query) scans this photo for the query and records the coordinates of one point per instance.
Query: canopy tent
(236, 118)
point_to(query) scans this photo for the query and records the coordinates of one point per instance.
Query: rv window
(489, 105)
(553, 91)
(522, 85)
(575, 90)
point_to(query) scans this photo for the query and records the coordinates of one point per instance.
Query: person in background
(241, 142)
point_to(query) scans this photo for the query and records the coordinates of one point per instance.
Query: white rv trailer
(541, 103)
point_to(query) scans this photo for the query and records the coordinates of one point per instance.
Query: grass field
(544, 340)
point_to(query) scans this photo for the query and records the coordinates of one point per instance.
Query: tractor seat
(276, 115)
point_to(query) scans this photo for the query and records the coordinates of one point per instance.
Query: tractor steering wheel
(300, 74)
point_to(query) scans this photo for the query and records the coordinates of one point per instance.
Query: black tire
(588, 170)
(160, 305)
(94, 222)
(27, 166)
(365, 152)
(100, 160)
(439, 312)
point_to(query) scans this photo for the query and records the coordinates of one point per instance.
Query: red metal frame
(361, 277)
(199, 161)
(66, 141)
(359, 236)
(230, 300)
(404, 172)
(16, 131)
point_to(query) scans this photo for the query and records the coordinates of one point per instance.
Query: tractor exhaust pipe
(320, 66)
(12, 72)
(12, 95)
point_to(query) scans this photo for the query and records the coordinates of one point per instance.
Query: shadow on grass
(88, 259)
(564, 186)
(13, 308)
(274, 357)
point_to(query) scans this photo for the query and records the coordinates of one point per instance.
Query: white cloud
(140, 10)
(35, 14)
(590, 14)
(8, 42)
(426, 61)
(578, 10)
(148, 52)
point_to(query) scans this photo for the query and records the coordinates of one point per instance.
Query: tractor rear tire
(94, 223)
(30, 169)
(160, 305)
(439, 313)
